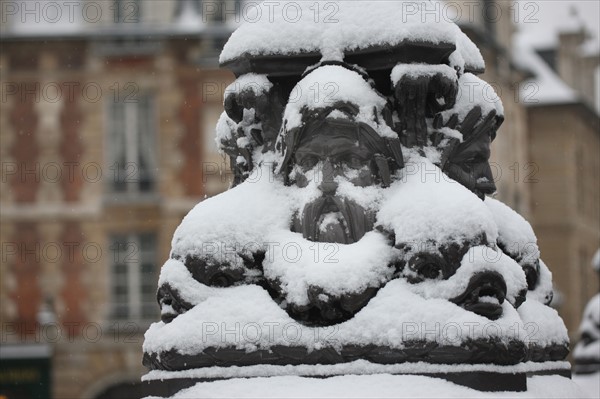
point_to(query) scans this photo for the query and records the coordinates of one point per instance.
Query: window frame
(130, 171)
(135, 278)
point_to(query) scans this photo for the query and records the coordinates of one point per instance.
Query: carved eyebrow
(335, 152)
(358, 151)
(319, 149)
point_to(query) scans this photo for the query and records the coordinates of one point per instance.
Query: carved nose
(328, 186)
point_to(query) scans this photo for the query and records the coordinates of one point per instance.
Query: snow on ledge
(372, 386)
(332, 27)
(357, 367)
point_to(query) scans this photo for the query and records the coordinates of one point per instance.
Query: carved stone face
(469, 166)
(329, 152)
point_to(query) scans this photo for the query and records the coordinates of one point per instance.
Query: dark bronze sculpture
(344, 142)
(587, 350)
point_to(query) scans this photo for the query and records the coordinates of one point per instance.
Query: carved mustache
(355, 220)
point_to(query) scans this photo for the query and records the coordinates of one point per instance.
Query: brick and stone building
(106, 143)
(563, 131)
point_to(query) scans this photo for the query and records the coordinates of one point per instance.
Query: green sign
(25, 378)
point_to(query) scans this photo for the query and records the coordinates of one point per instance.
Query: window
(131, 147)
(133, 275)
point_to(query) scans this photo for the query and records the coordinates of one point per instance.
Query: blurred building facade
(564, 138)
(106, 141)
(547, 153)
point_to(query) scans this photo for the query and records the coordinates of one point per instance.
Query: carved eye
(427, 266)
(220, 280)
(472, 161)
(353, 161)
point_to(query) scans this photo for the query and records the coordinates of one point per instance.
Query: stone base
(586, 366)
(488, 378)
(374, 386)
(479, 352)
(481, 381)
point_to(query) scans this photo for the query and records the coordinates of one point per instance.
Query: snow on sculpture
(587, 350)
(357, 231)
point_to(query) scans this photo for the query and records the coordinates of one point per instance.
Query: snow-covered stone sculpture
(357, 236)
(587, 350)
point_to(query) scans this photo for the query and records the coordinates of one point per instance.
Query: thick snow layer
(336, 268)
(543, 324)
(513, 229)
(332, 27)
(424, 206)
(516, 235)
(177, 275)
(415, 70)
(330, 84)
(472, 92)
(467, 55)
(514, 232)
(239, 218)
(372, 386)
(251, 81)
(246, 317)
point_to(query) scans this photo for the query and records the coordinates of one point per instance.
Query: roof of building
(546, 87)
